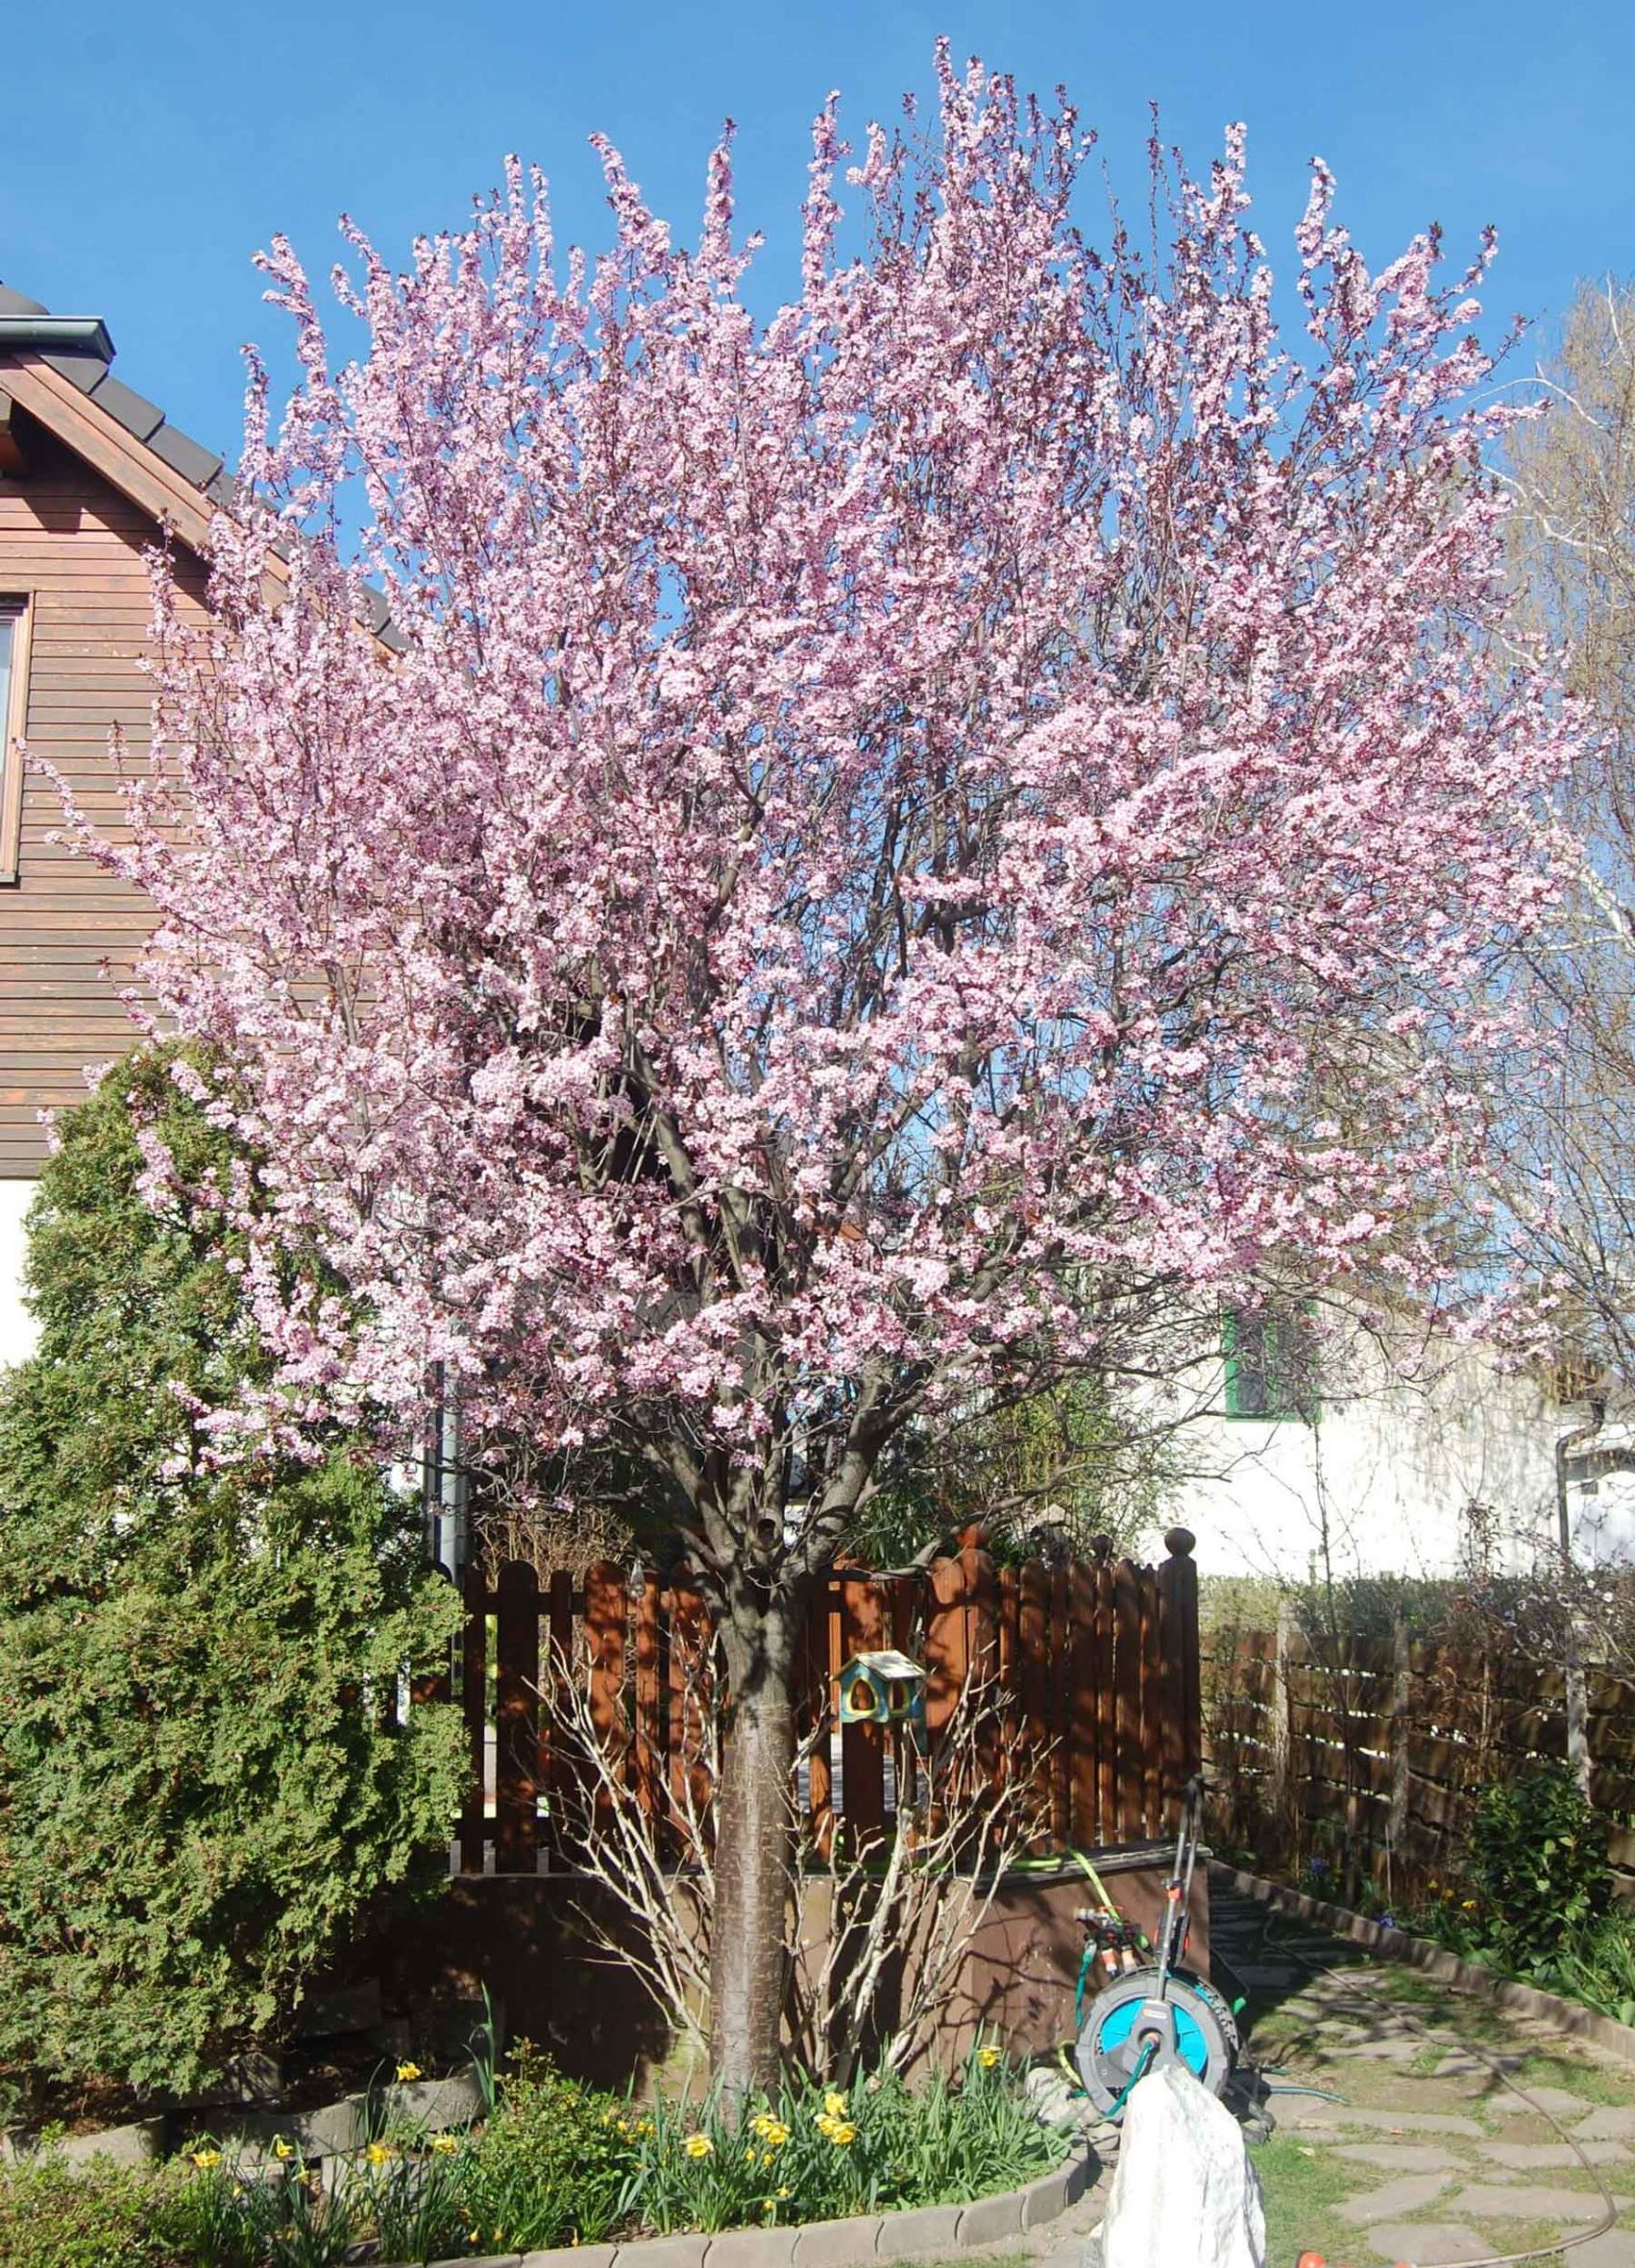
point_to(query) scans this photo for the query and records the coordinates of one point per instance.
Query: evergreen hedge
(203, 1792)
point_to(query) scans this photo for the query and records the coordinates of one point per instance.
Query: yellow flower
(204, 2160)
(281, 2149)
(988, 2057)
(1468, 1907)
(836, 2105)
(379, 2152)
(445, 2145)
(407, 2072)
(783, 2193)
(840, 2133)
(750, 2154)
(771, 2130)
(699, 2146)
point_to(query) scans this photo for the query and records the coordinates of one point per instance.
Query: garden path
(1391, 2139)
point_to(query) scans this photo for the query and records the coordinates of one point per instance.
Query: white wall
(17, 1329)
(1400, 1472)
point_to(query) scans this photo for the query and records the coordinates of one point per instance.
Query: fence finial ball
(1179, 1543)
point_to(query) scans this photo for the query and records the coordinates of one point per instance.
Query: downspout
(1577, 1692)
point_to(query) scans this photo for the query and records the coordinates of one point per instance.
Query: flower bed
(554, 2164)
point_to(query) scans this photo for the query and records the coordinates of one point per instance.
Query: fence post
(1184, 1692)
(1281, 1727)
(1401, 1697)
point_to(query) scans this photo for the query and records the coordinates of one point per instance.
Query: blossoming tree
(898, 841)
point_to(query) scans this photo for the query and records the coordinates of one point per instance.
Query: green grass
(1586, 2075)
(1302, 2185)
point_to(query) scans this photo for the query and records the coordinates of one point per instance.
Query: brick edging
(936, 2228)
(1434, 1961)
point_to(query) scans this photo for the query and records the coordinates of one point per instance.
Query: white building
(1298, 1460)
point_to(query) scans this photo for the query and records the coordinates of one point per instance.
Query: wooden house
(92, 475)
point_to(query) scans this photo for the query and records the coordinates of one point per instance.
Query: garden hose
(1541, 2252)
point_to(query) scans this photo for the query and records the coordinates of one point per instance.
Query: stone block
(837, 2244)
(992, 2218)
(1083, 2167)
(454, 2101)
(138, 2144)
(574, 2256)
(738, 2247)
(1045, 2199)
(666, 2251)
(928, 2229)
(343, 2009)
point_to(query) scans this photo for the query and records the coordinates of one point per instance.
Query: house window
(14, 723)
(1271, 1363)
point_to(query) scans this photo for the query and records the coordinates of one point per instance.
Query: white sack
(1184, 2194)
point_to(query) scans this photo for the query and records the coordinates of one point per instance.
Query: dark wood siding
(68, 930)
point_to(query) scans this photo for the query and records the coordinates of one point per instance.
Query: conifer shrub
(203, 1786)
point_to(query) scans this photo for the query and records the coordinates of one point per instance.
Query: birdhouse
(885, 1687)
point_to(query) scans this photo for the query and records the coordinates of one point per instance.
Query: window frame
(1282, 1411)
(17, 608)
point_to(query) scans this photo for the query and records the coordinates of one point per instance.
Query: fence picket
(1074, 1677)
(474, 1701)
(516, 1820)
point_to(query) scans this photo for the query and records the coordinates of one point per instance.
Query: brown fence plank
(1105, 1687)
(691, 1700)
(1127, 1683)
(517, 1653)
(1033, 1650)
(649, 1729)
(1154, 1706)
(1079, 1670)
(606, 1615)
(863, 1746)
(474, 1701)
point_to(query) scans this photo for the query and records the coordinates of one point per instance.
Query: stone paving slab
(1540, 2156)
(1615, 2250)
(1524, 2201)
(1403, 2158)
(1429, 2244)
(1410, 2193)
(1391, 2122)
(1608, 2122)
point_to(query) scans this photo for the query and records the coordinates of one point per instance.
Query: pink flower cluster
(897, 838)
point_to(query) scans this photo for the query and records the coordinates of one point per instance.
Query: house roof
(77, 348)
(59, 369)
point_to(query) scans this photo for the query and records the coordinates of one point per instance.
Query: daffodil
(281, 2150)
(988, 2057)
(204, 2160)
(445, 2145)
(836, 2105)
(407, 2072)
(699, 2146)
(842, 2132)
(771, 2130)
(379, 2152)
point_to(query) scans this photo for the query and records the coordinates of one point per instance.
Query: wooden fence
(1367, 1753)
(1089, 1673)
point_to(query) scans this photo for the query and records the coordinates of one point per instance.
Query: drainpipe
(1577, 1692)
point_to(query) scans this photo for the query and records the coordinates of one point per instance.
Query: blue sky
(145, 153)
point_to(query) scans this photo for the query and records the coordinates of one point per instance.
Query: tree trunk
(754, 1850)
